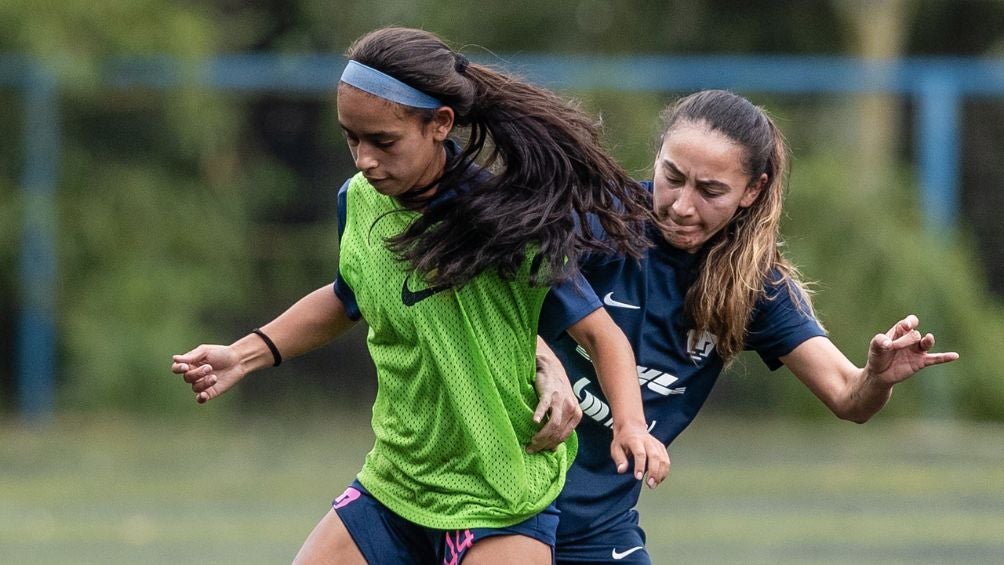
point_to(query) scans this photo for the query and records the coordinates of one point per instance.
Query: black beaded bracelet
(271, 346)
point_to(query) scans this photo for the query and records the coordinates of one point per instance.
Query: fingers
(193, 357)
(658, 466)
(939, 358)
(204, 383)
(195, 369)
(633, 446)
(192, 373)
(903, 327)
(207, 395)
(908, 339)
(546, 438)
(881, 343)
(549, 437)
(562, 417)
(640, 462)
(911, 322)
(649, 456)
(619, 457)
(927, 342)
(201, 377)
(542, 407)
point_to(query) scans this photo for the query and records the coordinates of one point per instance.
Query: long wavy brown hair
(550, 171)
(746, 253)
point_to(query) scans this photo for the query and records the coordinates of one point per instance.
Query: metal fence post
(36, 357)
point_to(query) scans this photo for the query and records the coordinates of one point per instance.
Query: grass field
(124, 490)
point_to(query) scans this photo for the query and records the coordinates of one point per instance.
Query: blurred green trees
(190, 215)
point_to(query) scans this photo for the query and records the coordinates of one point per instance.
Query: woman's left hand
(899, 353)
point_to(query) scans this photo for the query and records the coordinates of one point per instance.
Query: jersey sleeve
(566, 304)
(780, 324)
(342, 289)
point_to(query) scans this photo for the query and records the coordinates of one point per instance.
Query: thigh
(378, 534)
(529, 542)
(497, 550)
(329, 543)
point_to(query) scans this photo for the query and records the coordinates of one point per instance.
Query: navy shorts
(620, 541)
(384, 537)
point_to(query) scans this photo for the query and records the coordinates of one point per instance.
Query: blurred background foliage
(190, 215)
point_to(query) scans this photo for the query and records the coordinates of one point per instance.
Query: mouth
(667, 224)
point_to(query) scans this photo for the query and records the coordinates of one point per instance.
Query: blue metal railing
(937, 85)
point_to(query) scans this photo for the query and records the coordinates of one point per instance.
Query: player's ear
(752, 191)
(442, 123)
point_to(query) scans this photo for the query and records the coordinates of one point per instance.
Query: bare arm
(857, 394)
(613, 360)
(311, 322)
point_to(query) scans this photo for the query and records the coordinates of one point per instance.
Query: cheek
(661, 198)
(721, 215)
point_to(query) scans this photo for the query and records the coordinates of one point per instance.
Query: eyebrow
(371, 134)
(701, 182)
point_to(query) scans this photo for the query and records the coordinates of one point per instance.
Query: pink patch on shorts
(457, 545)
(349, 496)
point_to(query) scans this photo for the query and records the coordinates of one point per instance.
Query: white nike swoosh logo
(609, 301)
(619, 556)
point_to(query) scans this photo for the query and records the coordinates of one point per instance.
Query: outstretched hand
(900, 352)
(210, 369)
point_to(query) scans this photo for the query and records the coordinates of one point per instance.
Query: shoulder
(779, 284)
(352, 184)
(783, 298)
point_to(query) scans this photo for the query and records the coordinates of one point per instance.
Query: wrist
(871, 380)
(252, 353)
(276, 356)
(631, 426)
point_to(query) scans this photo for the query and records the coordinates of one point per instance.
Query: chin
(387, 188)
(686, 243)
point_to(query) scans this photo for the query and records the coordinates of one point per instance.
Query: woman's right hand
(210, 369)
(633, 443)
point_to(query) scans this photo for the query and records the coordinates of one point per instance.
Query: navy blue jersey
(676, 368)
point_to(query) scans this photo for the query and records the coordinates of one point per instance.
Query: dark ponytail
(551, 172)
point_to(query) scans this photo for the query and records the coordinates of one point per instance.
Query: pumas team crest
(699, 347)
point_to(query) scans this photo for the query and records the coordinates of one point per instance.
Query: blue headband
(387, 87)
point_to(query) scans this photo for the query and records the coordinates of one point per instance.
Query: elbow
(856, 416)
(859, 405)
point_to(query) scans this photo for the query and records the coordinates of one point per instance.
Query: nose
(683, 204)
(365, 161)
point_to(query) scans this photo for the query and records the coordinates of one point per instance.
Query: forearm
(850, 392)
(311, 322)
(613, 360)
(546, 359)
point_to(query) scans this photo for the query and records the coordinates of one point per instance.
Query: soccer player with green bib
(449, 265)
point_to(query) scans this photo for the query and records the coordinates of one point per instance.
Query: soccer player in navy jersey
(714, 284)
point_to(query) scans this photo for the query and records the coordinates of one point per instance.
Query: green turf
(125, 490)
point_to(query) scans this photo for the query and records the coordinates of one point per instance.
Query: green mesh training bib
(455, 370)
